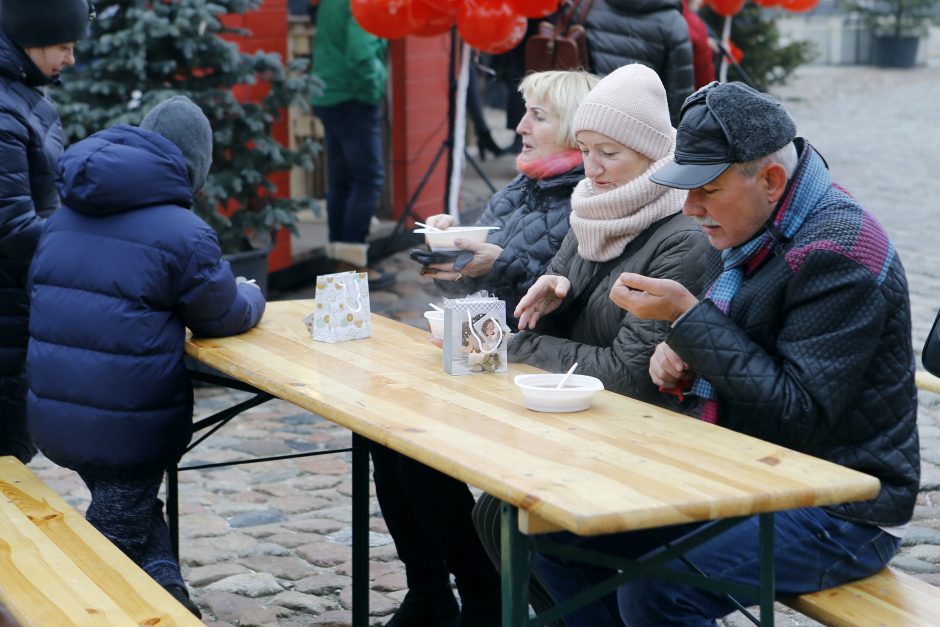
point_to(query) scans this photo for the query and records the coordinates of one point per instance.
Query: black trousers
(428, 516)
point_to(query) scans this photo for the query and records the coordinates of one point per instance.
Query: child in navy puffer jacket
(120, 270)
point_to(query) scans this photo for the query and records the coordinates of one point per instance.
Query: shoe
(486, 143)
(378, 280)
(179, 593)
(426, 610)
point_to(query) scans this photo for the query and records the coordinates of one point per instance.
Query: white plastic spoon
(436, 307)
(428, 226)
(561, 383)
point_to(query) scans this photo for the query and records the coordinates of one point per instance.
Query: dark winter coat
(533, 219)
(30, 145)
(121, 268)
(651, 32)
(606, 341)
(815, 353)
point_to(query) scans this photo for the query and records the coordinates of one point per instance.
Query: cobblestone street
(269, 544)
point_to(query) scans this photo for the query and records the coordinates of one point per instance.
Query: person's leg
(812, 551)
(129, 514)
(487, 521)
(443, 506)
(338, 178)
(14, 435)
(429, 600)
(363, 167)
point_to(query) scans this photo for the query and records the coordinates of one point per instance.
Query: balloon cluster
(493, 26)
(728, 8)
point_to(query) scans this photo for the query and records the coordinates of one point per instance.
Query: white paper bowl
(539, 392)
(435, 323)
(444, 240)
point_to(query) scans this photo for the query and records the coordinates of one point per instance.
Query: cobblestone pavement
(269, 544)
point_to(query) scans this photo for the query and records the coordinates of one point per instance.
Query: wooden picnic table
(621, 465)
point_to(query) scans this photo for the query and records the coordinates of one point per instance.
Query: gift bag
(475, 335)
(341, 308)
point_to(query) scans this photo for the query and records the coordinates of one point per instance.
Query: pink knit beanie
(629, 105)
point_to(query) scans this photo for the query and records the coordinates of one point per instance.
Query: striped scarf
(807, 184)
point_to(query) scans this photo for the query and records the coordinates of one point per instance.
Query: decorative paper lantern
(388, 19)
(486, 23)
(726, 8)
(534, 8)
(798, 6)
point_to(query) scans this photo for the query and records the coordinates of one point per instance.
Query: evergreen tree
(766, 62)
(140, 52)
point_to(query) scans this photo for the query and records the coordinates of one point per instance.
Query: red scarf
(552, 165)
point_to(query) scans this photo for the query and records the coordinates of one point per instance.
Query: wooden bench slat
(889, 598)
(40, 585)
(140, 599)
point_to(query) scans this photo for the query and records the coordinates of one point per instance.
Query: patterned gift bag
(475, 335)
(341, 308)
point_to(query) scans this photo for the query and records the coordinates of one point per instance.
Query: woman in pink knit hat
(620, 221)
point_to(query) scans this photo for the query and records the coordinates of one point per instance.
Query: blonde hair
(563, 90)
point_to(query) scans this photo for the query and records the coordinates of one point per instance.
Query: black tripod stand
(446, 146)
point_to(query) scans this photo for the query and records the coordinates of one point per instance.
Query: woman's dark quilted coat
(120, 269)
(30, 144)
(651, 32)
(816, 352)
(533, 220)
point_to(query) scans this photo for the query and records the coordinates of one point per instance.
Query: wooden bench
(56, 569)
(889, 598)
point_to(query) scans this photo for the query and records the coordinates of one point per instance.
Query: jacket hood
(121, 169)
(645, 6)
(15, 64)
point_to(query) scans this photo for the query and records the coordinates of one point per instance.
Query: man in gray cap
(37, 40)
(803, 340)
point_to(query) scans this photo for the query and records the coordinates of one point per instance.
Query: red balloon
(726, 8)
(514, 39)
(486, 23)
(798, 6)
(436, 17)
(388, 19)
(534, 8)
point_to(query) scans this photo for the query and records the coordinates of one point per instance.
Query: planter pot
(251, 264)
(890, 51)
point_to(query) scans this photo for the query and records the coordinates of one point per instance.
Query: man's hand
(658, 299)
(484, 256)
(543, 298)
(667, 370)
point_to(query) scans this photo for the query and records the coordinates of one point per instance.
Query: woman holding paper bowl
(620, 221)
(427, 512)
(532, 211)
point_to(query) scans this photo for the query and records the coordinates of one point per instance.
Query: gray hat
(721, 124)
(40, 23)
(181, 121)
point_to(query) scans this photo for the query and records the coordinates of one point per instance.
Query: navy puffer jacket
(651, 32)
(30, 145)
(533, 219)
(120, 269)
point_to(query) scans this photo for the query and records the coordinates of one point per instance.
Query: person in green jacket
(351, 63)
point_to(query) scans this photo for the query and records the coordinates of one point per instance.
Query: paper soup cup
(435, 323)
(540, 394)
(444, 240)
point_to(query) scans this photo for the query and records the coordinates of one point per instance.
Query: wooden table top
(618, 466)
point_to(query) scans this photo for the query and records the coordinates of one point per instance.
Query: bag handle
(358, 296)
(568, 18)
(499, 329)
